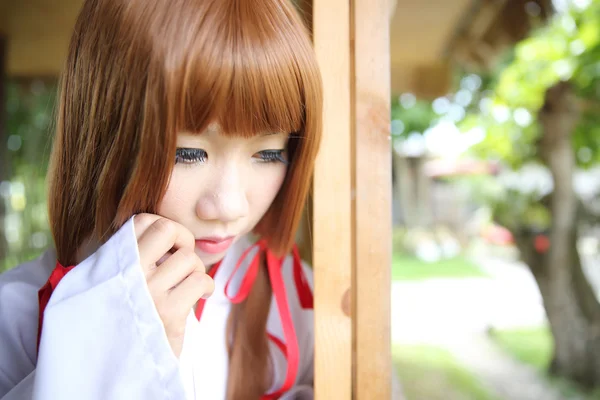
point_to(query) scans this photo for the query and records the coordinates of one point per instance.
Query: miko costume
(91, 332)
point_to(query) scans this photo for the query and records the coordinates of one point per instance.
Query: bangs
(242, 68)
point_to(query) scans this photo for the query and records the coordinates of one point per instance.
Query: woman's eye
(190, 156)
(271, 156)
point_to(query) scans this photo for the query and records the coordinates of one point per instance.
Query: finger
(175, 269)
(141, 222)
(196, 286)
(160, 237)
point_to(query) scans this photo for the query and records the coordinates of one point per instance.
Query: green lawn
(406, 267)
(533, 346)
(430, 373)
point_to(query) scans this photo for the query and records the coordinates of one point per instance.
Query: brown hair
(137, 73)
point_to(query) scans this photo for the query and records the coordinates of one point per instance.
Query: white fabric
(103, 339)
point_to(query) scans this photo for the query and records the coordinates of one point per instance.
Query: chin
(210, 259)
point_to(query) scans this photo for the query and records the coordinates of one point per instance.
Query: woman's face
(222, 186)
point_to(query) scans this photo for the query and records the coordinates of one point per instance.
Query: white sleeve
(102, 337)
(18, 322)
(23, 390)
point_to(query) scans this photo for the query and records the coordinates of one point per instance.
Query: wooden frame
(352, 202)
(332, 223)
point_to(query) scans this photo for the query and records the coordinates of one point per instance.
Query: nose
(224, 198)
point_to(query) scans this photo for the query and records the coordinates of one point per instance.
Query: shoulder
(19, 316)
(19, 290)
(29, 274)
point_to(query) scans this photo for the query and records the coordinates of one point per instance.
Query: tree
(30, 111)
(543, 110)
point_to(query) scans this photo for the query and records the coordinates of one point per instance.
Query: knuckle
(198, 278)
(210, 286)
(192, 261)
(188, 256)
(142, 219)
(203, 283)
(200, 266)
(165, 228)
(188, 238)
(141, 222)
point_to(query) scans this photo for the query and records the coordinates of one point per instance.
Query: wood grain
(332, 247)
(372, 204)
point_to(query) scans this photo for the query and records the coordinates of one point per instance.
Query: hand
(175, 275)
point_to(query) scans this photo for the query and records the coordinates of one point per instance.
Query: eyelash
(271, 156)
(193, 156)
(190, 156)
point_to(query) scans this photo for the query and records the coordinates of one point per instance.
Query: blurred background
(496, 182)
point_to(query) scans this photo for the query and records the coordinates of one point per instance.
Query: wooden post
(352, 201)
(373, 201)
(332, 213)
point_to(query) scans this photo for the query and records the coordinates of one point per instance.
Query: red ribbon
(290, 347)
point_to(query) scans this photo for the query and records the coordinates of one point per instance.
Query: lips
(214, 245)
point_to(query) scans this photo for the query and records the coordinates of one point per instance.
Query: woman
(185, 142)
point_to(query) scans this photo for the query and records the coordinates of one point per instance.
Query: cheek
(178, 198)
(265, 188)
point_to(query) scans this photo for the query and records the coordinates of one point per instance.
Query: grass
(431, 373)
(533, 346)
(406, 267)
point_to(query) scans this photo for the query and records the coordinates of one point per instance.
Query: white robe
(102, 337)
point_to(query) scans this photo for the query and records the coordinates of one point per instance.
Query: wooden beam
(352, 202)
(332, 246)
(425, 81)
(373, 199)
(39, 32)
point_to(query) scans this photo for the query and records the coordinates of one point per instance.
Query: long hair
(137, 73)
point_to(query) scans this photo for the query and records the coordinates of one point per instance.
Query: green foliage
(566, 49)
(513, 207)
(411, 116)
(29, 124)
